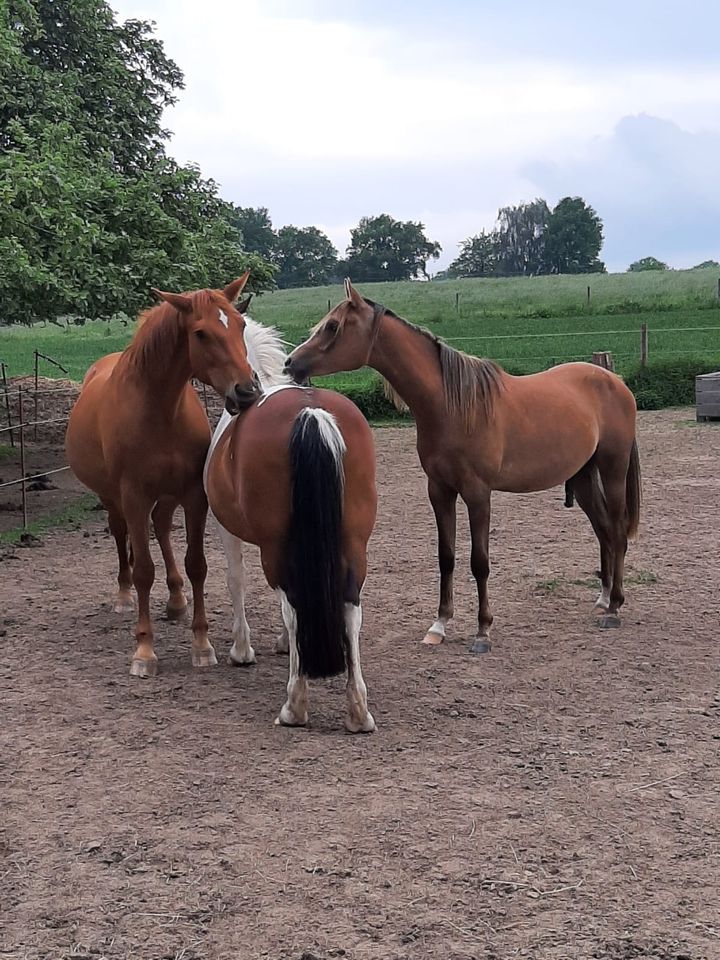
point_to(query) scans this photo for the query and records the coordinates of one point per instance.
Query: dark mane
(467, 381)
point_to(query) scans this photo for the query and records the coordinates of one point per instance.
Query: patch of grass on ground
(70, 517)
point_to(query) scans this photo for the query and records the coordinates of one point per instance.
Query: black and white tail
(314, 574)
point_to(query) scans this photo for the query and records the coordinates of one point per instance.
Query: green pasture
(526, 324)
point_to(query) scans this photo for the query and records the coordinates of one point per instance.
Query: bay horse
(295, 475)
(138, 436)
(480, 429)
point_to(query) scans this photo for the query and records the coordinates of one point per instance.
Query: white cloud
(325, 120)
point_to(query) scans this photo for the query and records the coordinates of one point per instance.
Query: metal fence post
(643, 345)
(23, 491)
(7, 403)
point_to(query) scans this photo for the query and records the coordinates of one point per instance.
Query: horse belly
(539, 466)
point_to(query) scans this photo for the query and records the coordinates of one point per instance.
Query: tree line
(93, 211)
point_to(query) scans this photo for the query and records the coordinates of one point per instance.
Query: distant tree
(382, 248)
(257, 230)
(573, 238)
(92, 211)
(479, 257)
(706, 263)
(520, 236)
(647, 263)
(305, 257)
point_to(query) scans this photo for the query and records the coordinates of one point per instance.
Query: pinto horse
(295, 475)
(138, 437)
(480, 429)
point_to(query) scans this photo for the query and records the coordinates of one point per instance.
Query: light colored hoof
(176, 613)
(480, 645)
(124, 605)
(353, 725)
(204, 658)
(609, 621)
(282, 644)
(143, 668)
(432, 639)
(288, 719)
(238, 658)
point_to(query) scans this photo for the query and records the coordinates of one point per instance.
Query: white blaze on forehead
(223, 318)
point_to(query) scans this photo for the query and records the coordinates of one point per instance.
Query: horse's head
(216, 342)
(343, 340)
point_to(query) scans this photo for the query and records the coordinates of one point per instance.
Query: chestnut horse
(295, 475)
(480, 429)
(138, 437)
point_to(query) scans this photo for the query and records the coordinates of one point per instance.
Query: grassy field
(526, 324)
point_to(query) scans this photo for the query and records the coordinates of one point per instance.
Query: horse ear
(352, 295)
(232, 290)
(180, 301)
(242, 307)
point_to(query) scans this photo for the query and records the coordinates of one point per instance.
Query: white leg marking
(241, 652)
(282, 644)
(436, 633)
(604, 599)
(294, 710)
(359, 719)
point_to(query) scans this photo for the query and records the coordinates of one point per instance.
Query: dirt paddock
(555, 798)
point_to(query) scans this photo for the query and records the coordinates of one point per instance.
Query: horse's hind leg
(479, 514)
(118, 528)
(359, 719)
(591, 501)
(241, 652)
(294, 710)
(162, 517)
(195, 507)
(615, 496)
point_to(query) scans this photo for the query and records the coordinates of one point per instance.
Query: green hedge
(668, 383)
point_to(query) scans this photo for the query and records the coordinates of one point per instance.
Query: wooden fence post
(603, 358)
(457, 301)
(23, 491)
(643, 345)
(588, 296)
(7, 403)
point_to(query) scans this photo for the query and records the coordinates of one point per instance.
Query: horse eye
(332, 326)
(201, 335)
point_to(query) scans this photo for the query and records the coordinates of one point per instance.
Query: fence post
(603, 358)
(718, 290)
(328, 304)
(588, 296)
(7, 403)
(23, 491)
(457, 301)
(35, 407)
(643, 344)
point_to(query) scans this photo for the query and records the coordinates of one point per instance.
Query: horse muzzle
(239, 398)
(295, 369)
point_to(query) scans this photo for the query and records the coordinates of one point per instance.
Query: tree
(305, 257)
(647, 263)
(478, 257)
(705, 264)
(92, 211)
(572, 238)
(382, 248)
(257, 230)
(520, 236)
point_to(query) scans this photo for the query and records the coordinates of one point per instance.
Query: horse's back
(249, 474)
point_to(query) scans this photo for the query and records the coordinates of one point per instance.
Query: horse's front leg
(195, 506)
(444, 504)
(478, 505)
(137, 514)
(241, 652)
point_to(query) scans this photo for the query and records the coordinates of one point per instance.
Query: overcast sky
(328, 110)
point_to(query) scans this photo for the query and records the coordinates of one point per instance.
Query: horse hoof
(609, 621)
(432, 639)
(143, 668)
(367, 725)
(236, 659)
(288, 719)
(176, 613)
(124, 605)
(480, 645)
(204, 658)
